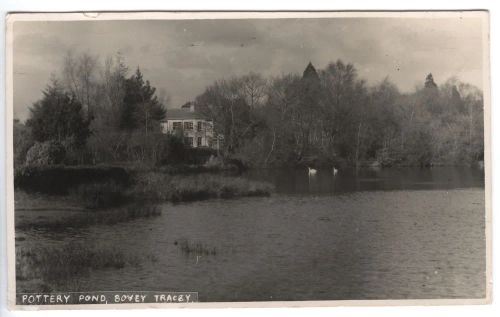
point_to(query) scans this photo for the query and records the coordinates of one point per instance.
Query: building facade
(197, 130)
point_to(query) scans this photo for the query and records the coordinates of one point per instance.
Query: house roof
(183, 114)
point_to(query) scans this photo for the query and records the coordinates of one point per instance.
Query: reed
(195, 248)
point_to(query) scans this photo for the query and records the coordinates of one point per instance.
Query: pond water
(387, 234)
(299, 182)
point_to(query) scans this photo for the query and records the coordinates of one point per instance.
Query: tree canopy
(326, 116)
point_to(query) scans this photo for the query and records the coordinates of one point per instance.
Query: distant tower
(310, 84)
(310, 72)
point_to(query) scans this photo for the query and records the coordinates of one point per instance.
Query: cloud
(182, 57)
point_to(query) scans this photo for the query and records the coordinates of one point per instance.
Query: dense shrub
(46, 153)
(58, 179)
(214, 162)
(22, 141)
(194, 169)
(197, 155)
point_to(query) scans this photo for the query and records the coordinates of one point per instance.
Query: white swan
(312, 171)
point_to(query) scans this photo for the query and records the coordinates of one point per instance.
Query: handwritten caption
(105, 298)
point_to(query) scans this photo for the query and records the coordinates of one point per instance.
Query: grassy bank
(110, 202)
(107, 186)
(179, 188)
(55, 268)
(64, 220)
(164, 187)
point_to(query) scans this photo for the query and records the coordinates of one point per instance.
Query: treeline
(96, 112)
(332, 117)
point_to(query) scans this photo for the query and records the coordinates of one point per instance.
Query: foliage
(22, 141)
(322, 117)
(45, 153)
(59, 179)
(58, 116)
(99, 113)
(141, 108)
(331, 117)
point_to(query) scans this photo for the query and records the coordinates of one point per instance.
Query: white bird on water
(312, 171)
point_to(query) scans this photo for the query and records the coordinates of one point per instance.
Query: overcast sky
(182, 57)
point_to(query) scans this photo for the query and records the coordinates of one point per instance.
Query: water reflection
(299, 181)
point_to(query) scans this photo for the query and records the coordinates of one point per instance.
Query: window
(188, 125)
(198, 143)
(199, 126)
(188, 141)
(177, 125)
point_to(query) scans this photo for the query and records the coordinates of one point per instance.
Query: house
(197, 129)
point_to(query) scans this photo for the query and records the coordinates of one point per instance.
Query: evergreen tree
(141, 107)
(308, 111)
(429, 96)
(429, 81)
(58, 116)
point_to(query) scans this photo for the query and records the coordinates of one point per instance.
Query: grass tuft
(195, 248)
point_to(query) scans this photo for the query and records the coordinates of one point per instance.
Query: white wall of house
(197, 132)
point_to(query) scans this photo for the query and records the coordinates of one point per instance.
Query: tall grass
(195, 248)
(56, 267)
(177, 188)
(102, 195)
(85, 219)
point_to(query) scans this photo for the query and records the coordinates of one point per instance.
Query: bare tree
(253, 88)
(80, 78)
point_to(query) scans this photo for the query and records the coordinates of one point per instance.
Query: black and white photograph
(177, 159)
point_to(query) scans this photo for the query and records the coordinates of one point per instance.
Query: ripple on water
(385, 244)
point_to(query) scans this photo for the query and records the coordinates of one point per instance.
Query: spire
(310, 71)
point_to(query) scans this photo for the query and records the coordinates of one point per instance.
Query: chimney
(188, 106)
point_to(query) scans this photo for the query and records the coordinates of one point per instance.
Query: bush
(22, 142)
(198, 155)
(58, 179)
(196, 169)
(214, 162)
(46, 153)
